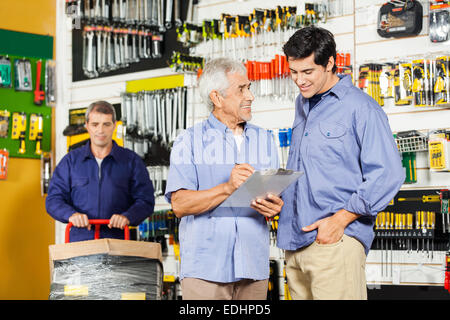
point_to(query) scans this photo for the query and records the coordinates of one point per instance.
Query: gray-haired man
(224, 251)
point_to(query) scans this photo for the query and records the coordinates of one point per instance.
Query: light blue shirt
(346, 149)
(224, 244)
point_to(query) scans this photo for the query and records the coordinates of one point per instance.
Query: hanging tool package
(400, 18)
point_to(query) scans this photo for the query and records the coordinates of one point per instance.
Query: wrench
(90, 54)
(134, 48)
(169, 107)
(161, 16)
(87, 10)
(115, 10)
(176, 103)
(110, 51)
(169, 11)
(155, 102)
(163, 119)
(157, 40)
(140, 124)
(97, 10)
(177, 13)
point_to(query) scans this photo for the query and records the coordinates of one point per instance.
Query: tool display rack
(170, 44)
(19, 45)
(413, 234)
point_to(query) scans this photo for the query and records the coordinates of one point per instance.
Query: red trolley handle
(97, 223)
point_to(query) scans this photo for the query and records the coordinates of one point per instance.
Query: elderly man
(100, 181)
(224, 251)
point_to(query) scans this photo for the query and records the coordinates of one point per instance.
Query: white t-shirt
(99, 162)
(239, 138)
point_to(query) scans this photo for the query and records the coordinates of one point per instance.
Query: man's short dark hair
(309, 40)
(101, 107)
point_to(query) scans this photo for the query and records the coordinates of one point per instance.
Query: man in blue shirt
(341, 139)
(100, 180)
(224, 251)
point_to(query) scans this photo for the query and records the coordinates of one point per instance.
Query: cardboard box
(106, 269)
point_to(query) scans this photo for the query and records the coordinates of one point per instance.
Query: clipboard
(259, 184)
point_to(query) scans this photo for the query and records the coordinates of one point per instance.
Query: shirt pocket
(80, 192)
(329, 145)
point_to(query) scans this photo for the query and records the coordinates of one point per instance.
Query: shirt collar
(342, 86)
(216, 124)
(114, 153)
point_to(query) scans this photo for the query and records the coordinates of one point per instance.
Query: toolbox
(105, 269)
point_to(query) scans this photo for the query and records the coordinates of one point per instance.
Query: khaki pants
(198, 289)
(328, 271)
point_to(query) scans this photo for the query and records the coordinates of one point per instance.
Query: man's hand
(269, 207)
(80, 220)
(118, 221)
(331, 229)
(238, 175)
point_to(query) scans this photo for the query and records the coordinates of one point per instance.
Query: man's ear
(330, 64)
(216, 98)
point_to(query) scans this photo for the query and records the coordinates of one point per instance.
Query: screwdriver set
(416, 224)
(255, 36)
(417, 221)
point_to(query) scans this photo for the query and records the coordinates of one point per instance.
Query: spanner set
(117, 33)
(153, 117)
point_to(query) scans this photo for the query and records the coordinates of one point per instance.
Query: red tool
(38, 92)
(97, 223)
(447, 272)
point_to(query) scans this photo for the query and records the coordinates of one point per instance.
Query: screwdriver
(425, 198)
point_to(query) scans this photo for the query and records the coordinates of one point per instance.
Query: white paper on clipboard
(259, 184)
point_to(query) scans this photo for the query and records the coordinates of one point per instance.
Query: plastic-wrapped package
(106, 269)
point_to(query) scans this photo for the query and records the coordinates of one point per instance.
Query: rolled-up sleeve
(381, 167)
